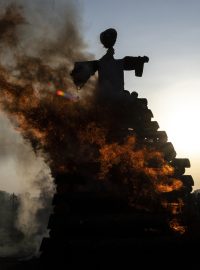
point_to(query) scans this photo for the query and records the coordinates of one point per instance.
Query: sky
(168, 32)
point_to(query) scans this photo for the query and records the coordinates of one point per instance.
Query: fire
(23, 125)
(136, 159)
(169, 187)
(130, 164)
(93, 134)
(74, 133)
(177, 227)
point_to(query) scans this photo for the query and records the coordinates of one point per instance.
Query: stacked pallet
(90, 221)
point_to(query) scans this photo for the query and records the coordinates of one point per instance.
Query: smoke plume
(38, 47)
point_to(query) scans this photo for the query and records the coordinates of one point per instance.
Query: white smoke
(22, 171)
(25, 174)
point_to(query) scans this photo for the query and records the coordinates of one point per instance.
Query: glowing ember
(177, 227)
(169, 187)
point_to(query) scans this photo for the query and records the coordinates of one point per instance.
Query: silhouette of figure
(110, 70)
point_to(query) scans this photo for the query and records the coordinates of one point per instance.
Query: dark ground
(147, 253)
(15, 263)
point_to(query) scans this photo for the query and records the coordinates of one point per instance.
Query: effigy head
(108, 38)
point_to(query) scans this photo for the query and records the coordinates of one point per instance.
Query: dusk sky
(168, 32)
(42, 135)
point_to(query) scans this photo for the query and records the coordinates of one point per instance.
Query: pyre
(128, 181)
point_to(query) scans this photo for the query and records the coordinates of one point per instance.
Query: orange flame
(177, 227)
(64, 130)
(169, 187)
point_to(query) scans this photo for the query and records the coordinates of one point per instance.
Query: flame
(136, 159)
(75, 133)
(130, 164)
(169, 187)
(32, 131)
(93, 134)
(177, 227)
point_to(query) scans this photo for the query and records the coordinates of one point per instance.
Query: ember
(175, 225)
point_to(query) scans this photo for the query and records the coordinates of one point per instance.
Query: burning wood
(90, 146)
(177, 227)
(82, 133)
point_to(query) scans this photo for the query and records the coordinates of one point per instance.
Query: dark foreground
(136, 253)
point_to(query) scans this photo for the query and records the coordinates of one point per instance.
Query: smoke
(28, 176)
(38, 45)
(9, 23)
